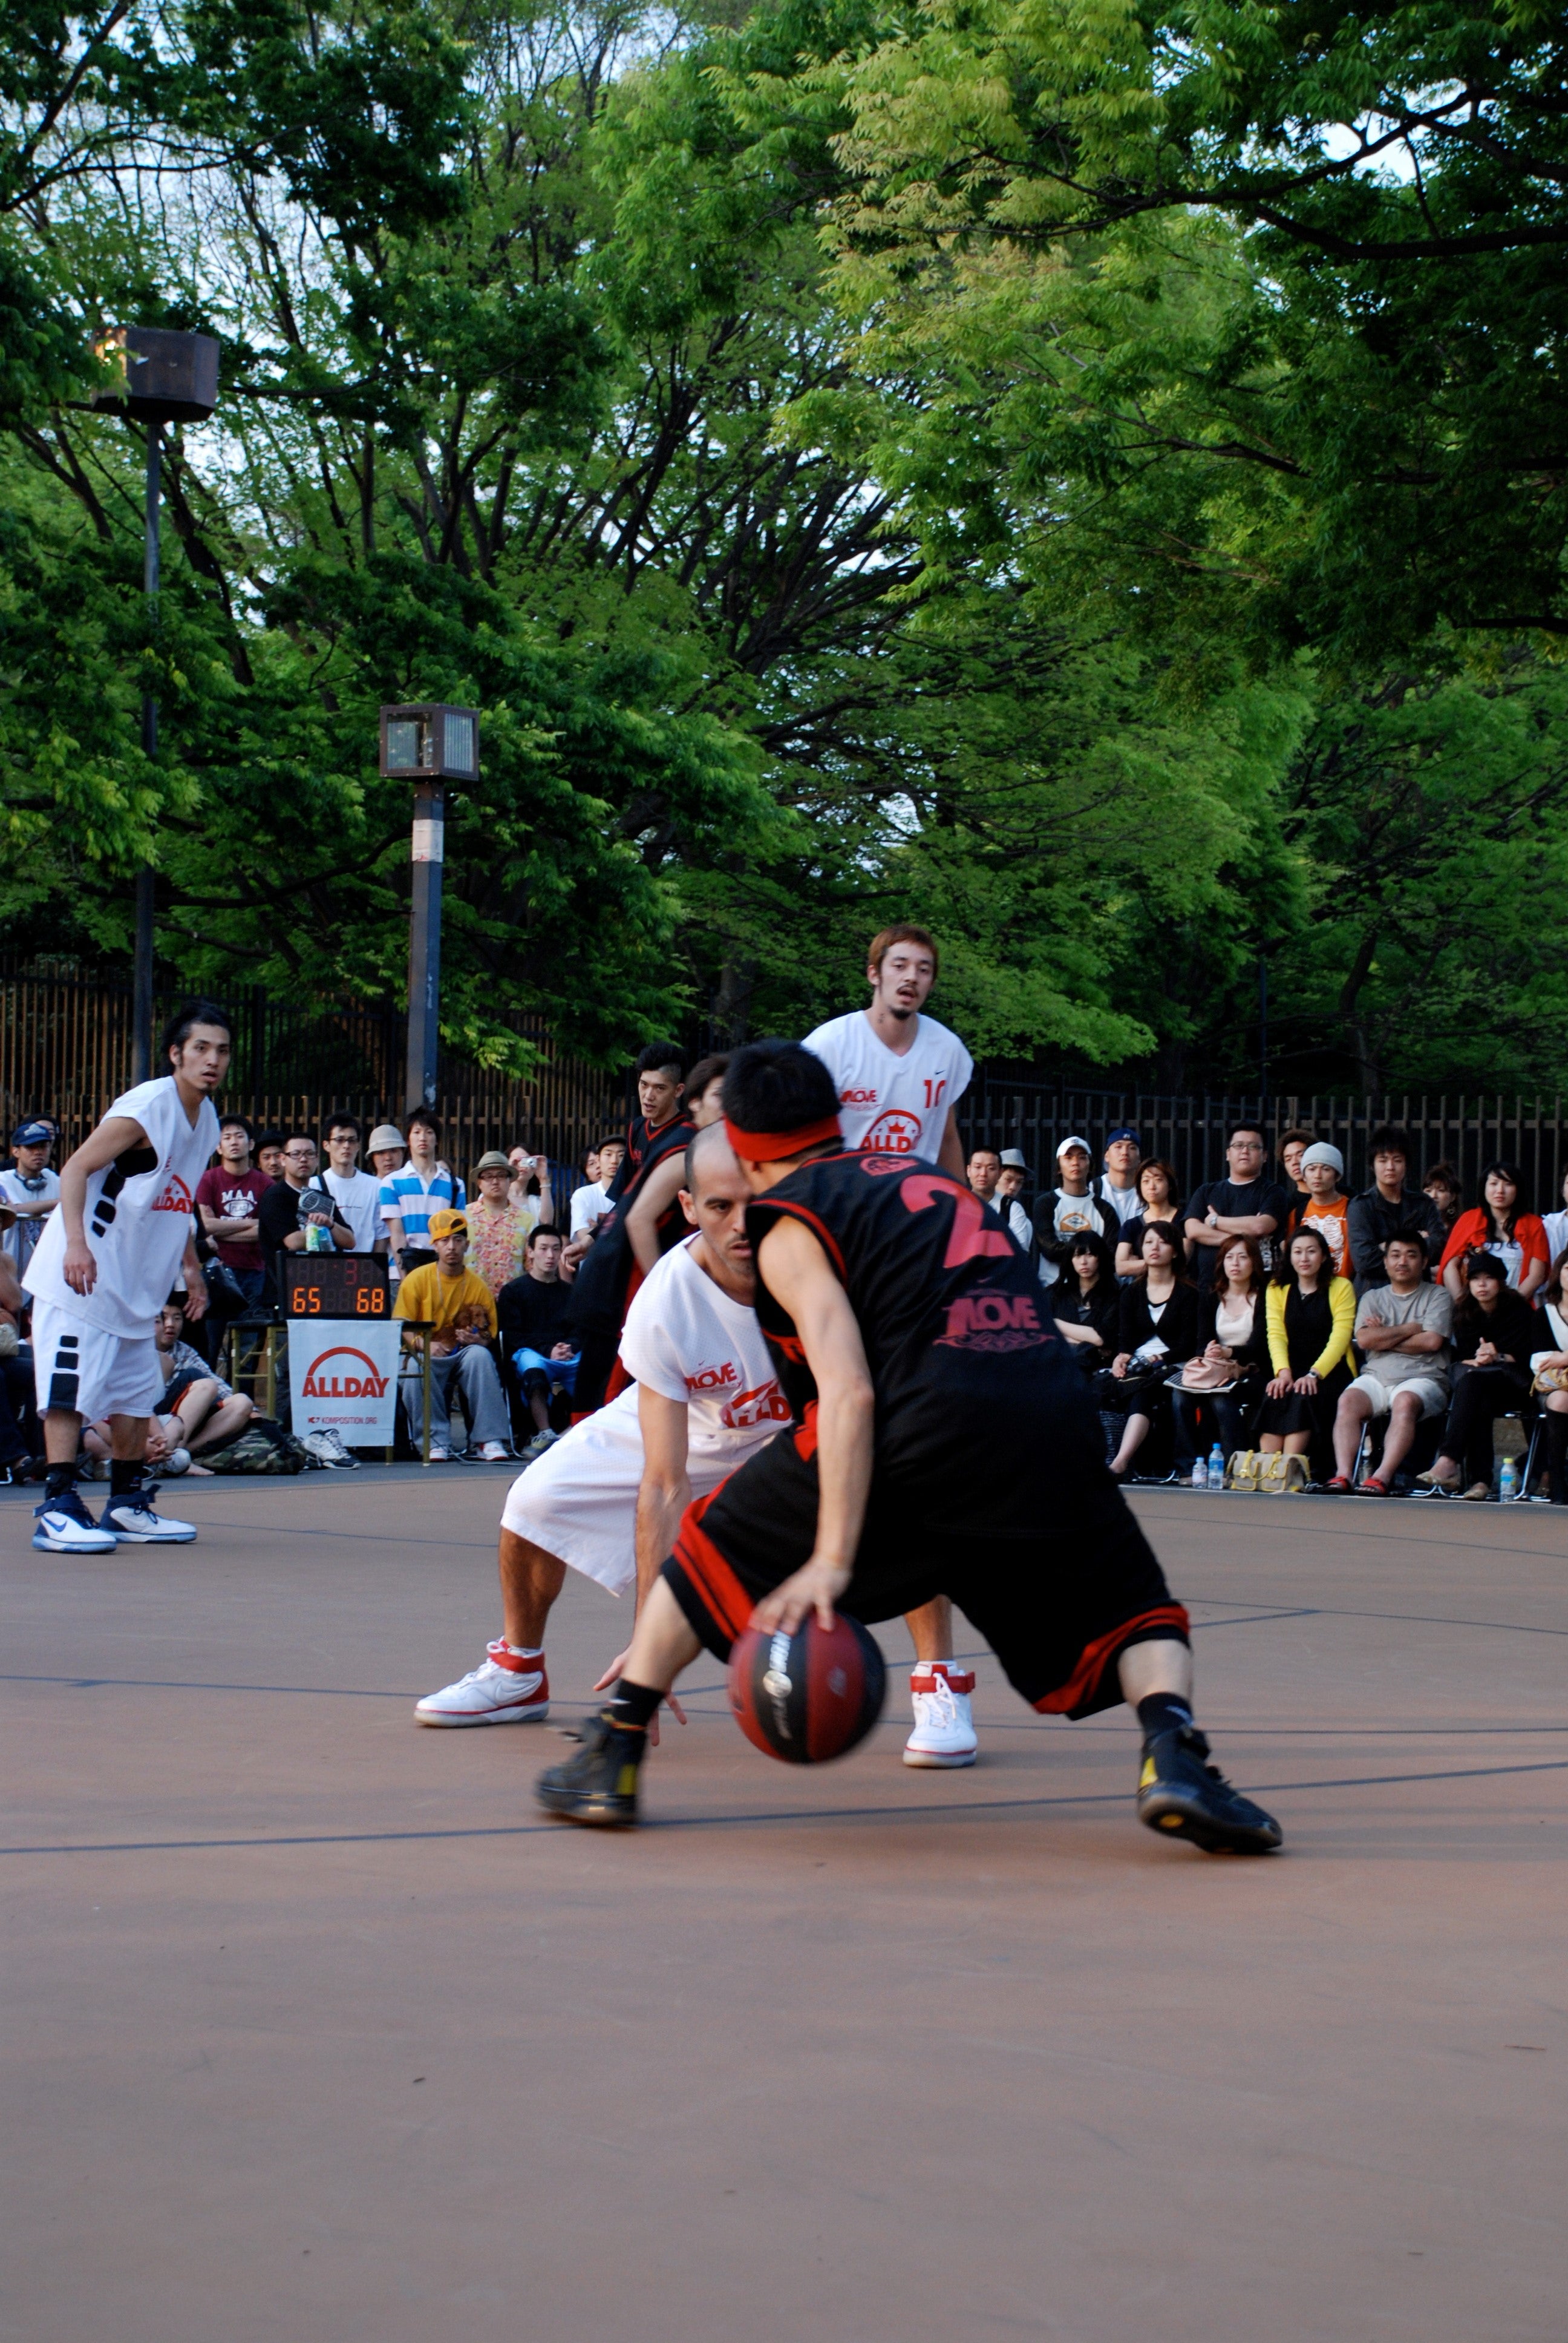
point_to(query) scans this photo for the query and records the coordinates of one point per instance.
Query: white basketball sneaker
(135, 1520)
(944, 1731)
(505, 1689)
(66, 1526)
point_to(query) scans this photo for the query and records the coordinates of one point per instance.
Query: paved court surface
(315, 2030)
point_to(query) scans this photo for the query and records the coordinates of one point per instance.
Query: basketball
(808, 1696)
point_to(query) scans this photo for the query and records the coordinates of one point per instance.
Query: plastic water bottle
(1216, 1466)
(1200, 1474)
(1508, 1480)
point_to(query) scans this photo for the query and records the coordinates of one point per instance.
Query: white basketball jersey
(887, 1104)
(687, 1339)
(137, 1218)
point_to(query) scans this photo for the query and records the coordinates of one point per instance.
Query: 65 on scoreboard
(336, 1285)
(343, 1346)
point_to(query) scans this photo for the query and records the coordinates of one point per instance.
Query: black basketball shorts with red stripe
(1057, 1608)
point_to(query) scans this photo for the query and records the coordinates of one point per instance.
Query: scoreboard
(336, 1285)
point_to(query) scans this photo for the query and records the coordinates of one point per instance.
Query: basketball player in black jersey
(943, 1443)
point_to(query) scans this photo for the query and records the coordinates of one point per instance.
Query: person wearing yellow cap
(445, 1293)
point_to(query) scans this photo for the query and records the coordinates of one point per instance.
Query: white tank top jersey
(891, 1105)
(139, 1216)
(687, 1339)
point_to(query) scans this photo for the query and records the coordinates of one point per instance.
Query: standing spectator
(1498, 1227)
(422, 1187)
(387, 1154)
(1310, 1314)
(1324, 1205)
(498, 1225)
(1246, 1204)
(1226, 1373)
(659, 1123)
(1403, 1332)
(1554, 1403)
(269, 1155)
(1557, 1226)
(228, 1201)
(1069, 1209)
(1390, 1203)
(1010, 1187)
(277, 1214)
(446, 1294)
(982, 1171)
(1157, 1327)
(1293, 1145)
(29, 1189)
(1495, 1335)
(18, 1421)
(355, 1193)
(530, 1191)
(1117, 1186)
(590, 1202)
(533, 1311)
(1442, 1184)
(1156, 1201)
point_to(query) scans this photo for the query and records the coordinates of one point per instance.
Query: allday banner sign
(343, 1378)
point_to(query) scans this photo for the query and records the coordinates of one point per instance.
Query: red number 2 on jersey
(971, 1239)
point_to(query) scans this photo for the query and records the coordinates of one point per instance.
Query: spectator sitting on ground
(530, 1193)
(1245, 1204)
(1403, 1330)
(654, 1220)
(1496, 1332)
(1515, 1238)
(29, 1191)
(422, 1187)
(1157, 1201)
(228, 1201)
(1293, 1145)
(269, 1155)
(355, 1193)
(1555, 1225)
(1157, 1327)
(1117, 1186)
(1085, 1302)
(1390, 1203)
(198, 1412)
(277, 1214)
(1554, 1362)
(1310, 1314)
(445, 1294)
(1227, 1371)
(1324, 1205)
(533, 1310)
(499, 1225)
(1442, 1184)
(1069, 1209)
(1011, 1182)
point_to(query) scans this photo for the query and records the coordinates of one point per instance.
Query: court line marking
(804, 1814)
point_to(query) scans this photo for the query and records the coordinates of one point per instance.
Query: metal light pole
(167, 378)
(427, 743)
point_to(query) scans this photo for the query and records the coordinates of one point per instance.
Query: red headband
(768, 1146)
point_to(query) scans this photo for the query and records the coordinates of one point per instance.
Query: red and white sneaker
(944, 1731)
(506, 1689)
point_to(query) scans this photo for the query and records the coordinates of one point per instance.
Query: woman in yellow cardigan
(1310, 1314)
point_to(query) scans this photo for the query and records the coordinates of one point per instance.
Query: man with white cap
(1327, 1207)
(1069, 1209)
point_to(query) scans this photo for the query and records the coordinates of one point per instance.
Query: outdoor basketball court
(317, 2029)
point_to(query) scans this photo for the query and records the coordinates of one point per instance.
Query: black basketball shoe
(599, 1783)
(1181, 1795)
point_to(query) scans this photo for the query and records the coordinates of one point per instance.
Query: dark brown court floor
(315, 2030)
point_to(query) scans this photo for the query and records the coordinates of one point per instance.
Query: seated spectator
(1442, 1184)
(1390, 1203)
(29, 1191)
(1496, 1332)
(228, 1202)
(1311, 1314)
(1086, 1302)
(533, 1310)
(269, 1155)
(590, 1202)
(1157, 1201)
(1550, 1363)
(278, 1220)
(1498, 1227)
(198, 1412)
(1245, 1204)
(1011, 1182)
(982, 1171)
(500, 1225)
(1117, 1186)
(654, 1219)
(1293, 1145)
(424, 1186)
(530, 1193)
(1323, 1204)
(445, 1294)
(1225, 1374)
(355, 1193)
(1557, 1226)
(1403, 1330)
(1067, 1211)
(1157, 1328)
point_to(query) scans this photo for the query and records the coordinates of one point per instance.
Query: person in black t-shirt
(277, 1222)
(531, 1313)
(1247, 1204)
(943, 1443)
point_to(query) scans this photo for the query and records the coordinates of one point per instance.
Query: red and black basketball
(808, 1696)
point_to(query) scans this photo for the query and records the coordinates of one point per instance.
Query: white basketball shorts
(95, 1373)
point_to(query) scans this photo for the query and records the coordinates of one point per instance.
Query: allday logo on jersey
(765, 1405)
(175, 1196)
(897, 1132)
(343, 1373)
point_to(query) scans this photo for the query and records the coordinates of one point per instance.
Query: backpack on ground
(263, 1447)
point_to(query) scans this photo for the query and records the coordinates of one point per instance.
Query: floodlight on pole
(427, 743)
(165, 377)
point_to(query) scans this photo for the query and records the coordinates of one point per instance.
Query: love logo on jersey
(173, 1197)
(766, 1404)
(712, 1379)
(993, 1322)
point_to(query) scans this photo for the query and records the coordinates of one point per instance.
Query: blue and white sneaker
(135, 1522)
(66, 1526)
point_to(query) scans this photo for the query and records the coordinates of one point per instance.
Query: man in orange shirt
(1325, 1207)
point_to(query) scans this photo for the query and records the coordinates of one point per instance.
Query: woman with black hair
(1157, 1327)
(1084, 1300)
(1515, 1238)
(1157, 1201)
(1310, 1314)
(1495, 1332)
(1226, 1373)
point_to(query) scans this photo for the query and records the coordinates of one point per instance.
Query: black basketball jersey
(971, 1377)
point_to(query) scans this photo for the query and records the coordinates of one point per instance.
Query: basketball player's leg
(940, 1691)
(83, 1371)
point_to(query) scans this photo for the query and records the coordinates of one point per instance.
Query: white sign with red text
(343, 1378)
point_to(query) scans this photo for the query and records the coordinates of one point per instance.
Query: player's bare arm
(799, 1273)
(654, 1198)
(950, 1154)
(115, 1137)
